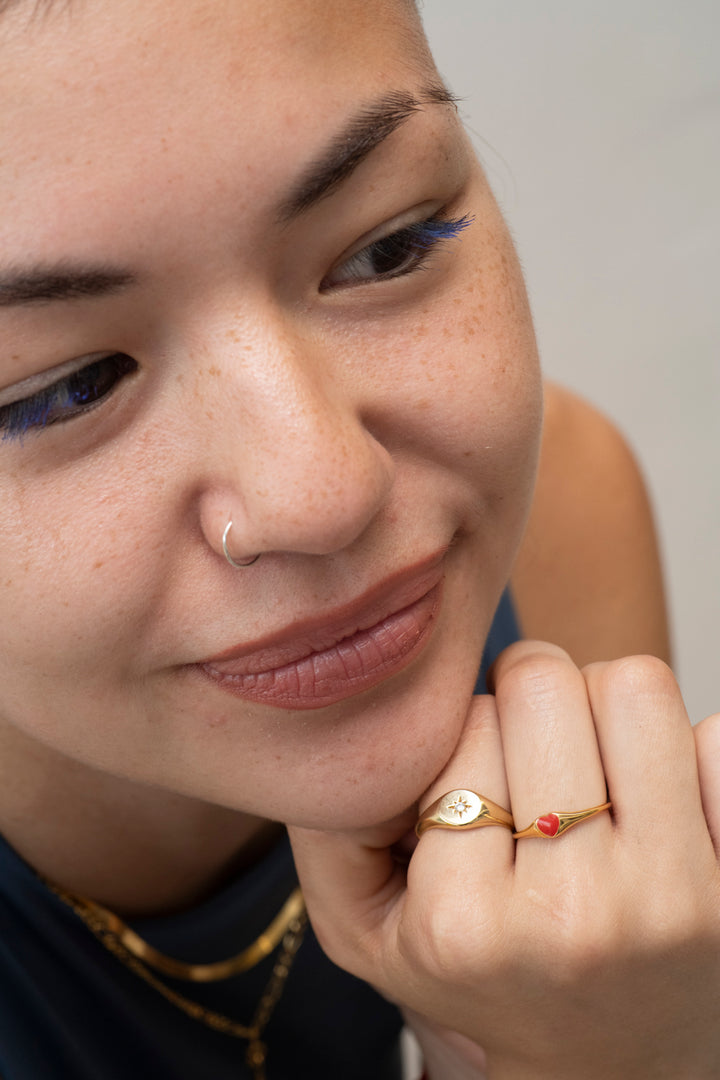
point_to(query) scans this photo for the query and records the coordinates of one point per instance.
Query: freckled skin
(348, 434)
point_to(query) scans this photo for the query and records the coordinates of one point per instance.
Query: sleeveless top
(69, 1010)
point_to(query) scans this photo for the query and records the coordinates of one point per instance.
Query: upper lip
(318, 632)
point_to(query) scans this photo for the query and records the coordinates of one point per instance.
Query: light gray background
(599, 127)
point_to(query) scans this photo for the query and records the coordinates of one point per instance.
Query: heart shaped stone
(548, 824)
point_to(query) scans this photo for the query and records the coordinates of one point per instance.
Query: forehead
(83, 61)
(92, 91)
(254, 30)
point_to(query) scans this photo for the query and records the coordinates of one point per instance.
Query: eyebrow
(44, 284)
(365, 131)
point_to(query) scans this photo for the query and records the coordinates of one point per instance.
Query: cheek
(464, 378)
(83, 570)
(79, 566)
(492, 342)
(489, 344)
(494, 334)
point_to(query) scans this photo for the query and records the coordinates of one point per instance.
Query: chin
(366, 771)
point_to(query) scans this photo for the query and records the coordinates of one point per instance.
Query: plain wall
(599, 128)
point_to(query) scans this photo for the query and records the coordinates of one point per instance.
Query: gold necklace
(287, 928)
(178, 969)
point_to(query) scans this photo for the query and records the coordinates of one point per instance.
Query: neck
(135, 849)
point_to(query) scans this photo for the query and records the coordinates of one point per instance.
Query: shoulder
(588, 574)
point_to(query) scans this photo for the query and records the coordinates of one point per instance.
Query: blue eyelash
(402, 252)
(427, 233)
(19, 418)
(76, 393)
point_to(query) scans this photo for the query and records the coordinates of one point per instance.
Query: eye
(397, 254)
(67, 397)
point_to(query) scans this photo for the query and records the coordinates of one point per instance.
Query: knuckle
(634, 673)
(451, 940)
(707, 741)
(676, 907)
(333, 942)
(569, 937)
(539, 677)
(346, 940)
(523, 653)
(637, 679)
(709, 728)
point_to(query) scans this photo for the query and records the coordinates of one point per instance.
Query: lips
(322, 660)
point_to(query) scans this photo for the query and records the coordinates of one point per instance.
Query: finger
(552, 757)
(350, 889)
(476, 765)
(649, 754)
(459, 881)
(707, 744)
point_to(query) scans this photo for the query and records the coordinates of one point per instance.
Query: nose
(296, 468)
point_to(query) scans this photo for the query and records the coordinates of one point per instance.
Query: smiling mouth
(314, 666)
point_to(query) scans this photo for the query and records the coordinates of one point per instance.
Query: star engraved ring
(558, 822)
(463, 809)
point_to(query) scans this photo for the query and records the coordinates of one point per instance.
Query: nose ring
(228, 556)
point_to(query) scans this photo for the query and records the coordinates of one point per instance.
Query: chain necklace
(287, 929)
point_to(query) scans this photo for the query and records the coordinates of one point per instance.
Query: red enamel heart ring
(556, 822)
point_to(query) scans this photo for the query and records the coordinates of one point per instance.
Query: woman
(271, 410)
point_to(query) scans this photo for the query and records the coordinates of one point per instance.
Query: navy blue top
(69, 1010)
(504, 630)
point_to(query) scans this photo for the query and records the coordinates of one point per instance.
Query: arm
(588, 574)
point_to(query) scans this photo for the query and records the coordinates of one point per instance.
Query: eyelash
(67, 397)
(405, 251)
(401, 252)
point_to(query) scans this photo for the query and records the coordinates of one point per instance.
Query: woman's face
(201, 319)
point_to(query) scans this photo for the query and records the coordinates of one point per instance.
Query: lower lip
(350, 667)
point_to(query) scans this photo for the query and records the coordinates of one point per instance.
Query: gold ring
(555, 823)
(463, 809)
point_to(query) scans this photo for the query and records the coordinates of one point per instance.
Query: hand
(593, 955)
